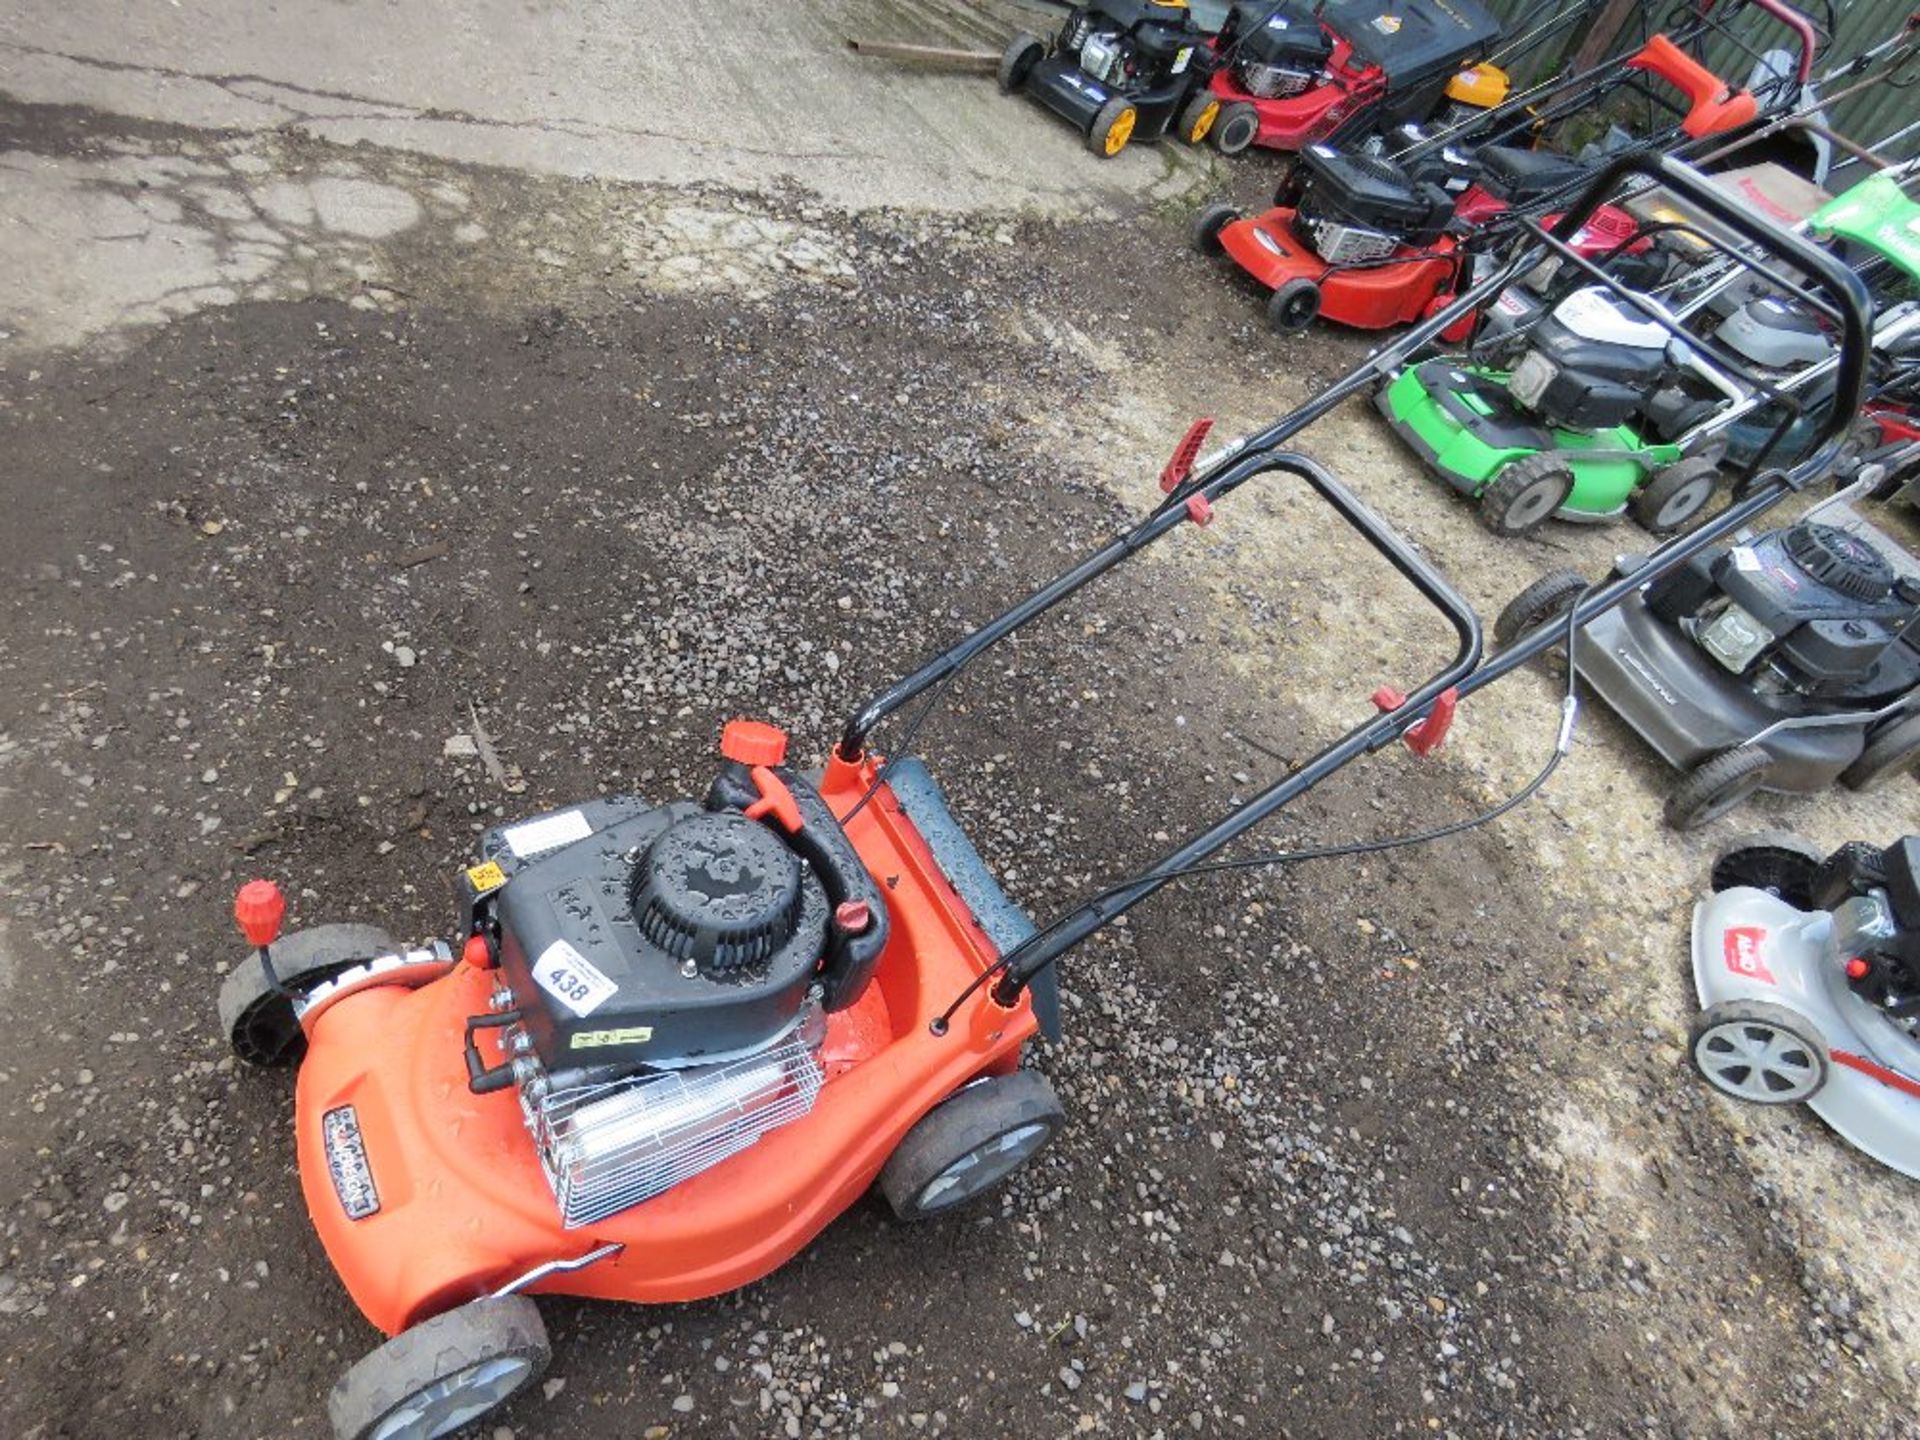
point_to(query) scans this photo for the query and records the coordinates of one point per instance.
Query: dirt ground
(1399, 1146)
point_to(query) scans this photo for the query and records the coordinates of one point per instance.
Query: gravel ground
(1402, 1146)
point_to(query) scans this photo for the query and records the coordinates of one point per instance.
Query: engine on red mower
(1873, 895)
(1276, 50)
(1352, 207)
(664, 972)
(1132, 46)
(1812, 610)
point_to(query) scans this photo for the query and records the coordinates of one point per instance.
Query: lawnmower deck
(462, 1205)
(1371, 297)
(1749, 945)
(1462, 422)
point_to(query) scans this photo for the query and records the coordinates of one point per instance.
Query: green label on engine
(630, 1035)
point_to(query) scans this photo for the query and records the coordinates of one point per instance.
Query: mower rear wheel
(1112, 127)
(259, 1019)
(1526, 494)
(1023, 52)
(444, 1373)
(1776, 861)
(1763, 1054)
(1892, 750)
(969, 1143)
(1236, 129)
(1294, 306)
(1207, 225)
(1675, 494)
(1548, 598)
(1716, 785)
(1197, 117)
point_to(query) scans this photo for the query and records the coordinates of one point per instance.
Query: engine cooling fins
(1840, 561)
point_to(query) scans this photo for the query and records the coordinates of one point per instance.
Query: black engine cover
(1287, 34)
(1352, 188)
(632, 934)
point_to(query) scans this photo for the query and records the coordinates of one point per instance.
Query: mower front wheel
(1548, 598)
(444, 1373)
(258, 1019)
(1675, 494)
(1198, 117)
(1207, 225)
(1763, 1054)
(1892, 749)
(1294, 306)
(1777, 861)
(1716, 785)
(969, 1143)
(1023, 52)
(1525, 495)
(1237, 127)
(1112, 127)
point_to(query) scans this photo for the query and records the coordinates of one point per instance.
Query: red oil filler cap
(753, 742)
(258, 910)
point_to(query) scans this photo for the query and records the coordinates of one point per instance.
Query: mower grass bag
(1121, 72)
(1291, 74)
(1807, 966)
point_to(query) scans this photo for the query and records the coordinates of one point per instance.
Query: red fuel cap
(853, 916)
(753, 742)
(258, 909)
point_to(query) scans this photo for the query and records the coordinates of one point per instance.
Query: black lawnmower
(1122, 71)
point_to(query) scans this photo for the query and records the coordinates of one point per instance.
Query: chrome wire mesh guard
(608, 1147)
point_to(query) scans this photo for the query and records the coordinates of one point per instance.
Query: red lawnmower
(1371, 240)
(664, 1045)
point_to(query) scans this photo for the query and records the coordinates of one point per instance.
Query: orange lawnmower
(665, 1045)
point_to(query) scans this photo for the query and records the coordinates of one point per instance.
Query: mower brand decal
(629, 1035)
(1085, 87)
(1388, 24)
(1634, 663)
(1741, 946)
(1278, 22)
(567, 975)
(1267, 240)
(1180, 60)
(547, 833)
(486, 877)
(347, 1163)
(1745, 559)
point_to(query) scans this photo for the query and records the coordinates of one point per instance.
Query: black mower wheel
(1548, 598)
(1675, 494)
(1893, 748)
(1716, 785)
(444, 1373)
(1763, 1054)
(1207, 225)
(1198, 117)
(1294, 306)
(258, 1019)
(1112, 128)
(1023, 52)
(1777, 861)
(1235, 128)
(1525, 495)
(969, 1143)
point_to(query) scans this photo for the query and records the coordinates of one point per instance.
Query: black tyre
(1893, 748)
(1525, 495)
(443, 1374)
(1198, 117)
(1675, 494)
(1777, 861)
(1236, 128)
(1207, 225)
(1763, 1054)
(969, 1143)
(1023, 52)
(1716, 785)
(1112, 128)
(1294, 306)
(1548, 598)
(258, 1019)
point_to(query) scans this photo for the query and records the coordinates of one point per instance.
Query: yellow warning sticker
(486, 877)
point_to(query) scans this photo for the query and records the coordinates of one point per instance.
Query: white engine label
(1180, 60)
(564, 973)
(547, 833)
